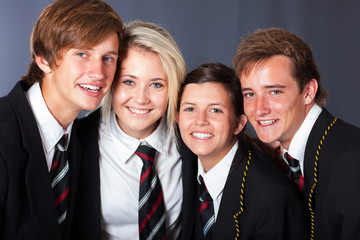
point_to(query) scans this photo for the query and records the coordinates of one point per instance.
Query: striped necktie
(59, 174)
(151, 202)
(206, 210)
(295, 172)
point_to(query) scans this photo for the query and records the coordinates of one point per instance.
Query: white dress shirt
(120, 170)
(298, 143)
(215, 179)
(50, 129)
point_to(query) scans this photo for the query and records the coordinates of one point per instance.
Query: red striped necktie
(295, 172)
(206, 210)
(151, 201)
(59, 174)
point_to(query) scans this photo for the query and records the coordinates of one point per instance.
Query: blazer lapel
(41, 197)
(312, 146)
(230, 203)
(75, 157)
(189, 205)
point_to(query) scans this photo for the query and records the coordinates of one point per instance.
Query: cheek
(249, 107)
(119, 96)
(183, 123)
(161, 100)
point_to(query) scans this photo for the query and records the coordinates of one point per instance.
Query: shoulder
(266, 175)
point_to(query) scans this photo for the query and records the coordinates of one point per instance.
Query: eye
(248, 95)
(216, 110)
(189, 109)
(81, 54)
(275, 92)
(128, 82)
(108, 59)
(157, 85)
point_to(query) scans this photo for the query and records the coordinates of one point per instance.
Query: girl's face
(141, 94)
(207, 122)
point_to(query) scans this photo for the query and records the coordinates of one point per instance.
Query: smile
(267, 122)
(202, 135)
(90, 88)
(138, 110)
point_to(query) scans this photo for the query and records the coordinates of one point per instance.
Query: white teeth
(202, 135)
(268, 122)
(138, 111)
(90, 88)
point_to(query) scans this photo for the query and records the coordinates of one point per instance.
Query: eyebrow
(266, 87)
(134, 77)
(211, 104)
(112, 53)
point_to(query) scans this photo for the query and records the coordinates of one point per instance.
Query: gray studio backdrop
(210, 30)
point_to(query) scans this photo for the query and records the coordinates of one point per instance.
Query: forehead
(275, 70)
(205, 93)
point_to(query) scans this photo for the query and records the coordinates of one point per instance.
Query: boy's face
(272, 100)
(82, 78)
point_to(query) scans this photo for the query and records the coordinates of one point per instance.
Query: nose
(262, 106)
(96, 69)
(141, 94)
(201, 119)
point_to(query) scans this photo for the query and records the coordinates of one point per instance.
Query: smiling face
(272, 101)
(207, 122)
(141, 94)
(81, 79)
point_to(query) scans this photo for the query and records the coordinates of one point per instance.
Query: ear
(241, 122)
(177, 117)
(310, 91)
(43, 64)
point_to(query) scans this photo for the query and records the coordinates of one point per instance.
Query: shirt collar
(298, 143)
(215, 179)
(50, 130)
(157, 139)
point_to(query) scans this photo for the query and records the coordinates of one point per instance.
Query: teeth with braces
(268, 122)
(90, 88)
(202, 135)
(138, 111)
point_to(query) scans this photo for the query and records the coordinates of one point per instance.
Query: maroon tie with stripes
(151, 202)
(59, 174)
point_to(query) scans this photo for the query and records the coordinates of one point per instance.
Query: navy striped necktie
(295, 172)
(206, 210)
(151, 201)
(59, 174)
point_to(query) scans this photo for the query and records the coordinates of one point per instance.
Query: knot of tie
(295, 171)
(204, 193)
(62, 143)
(146, 153)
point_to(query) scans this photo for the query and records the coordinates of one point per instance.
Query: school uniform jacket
(273, 208)
(336, 197)
(27, 203)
